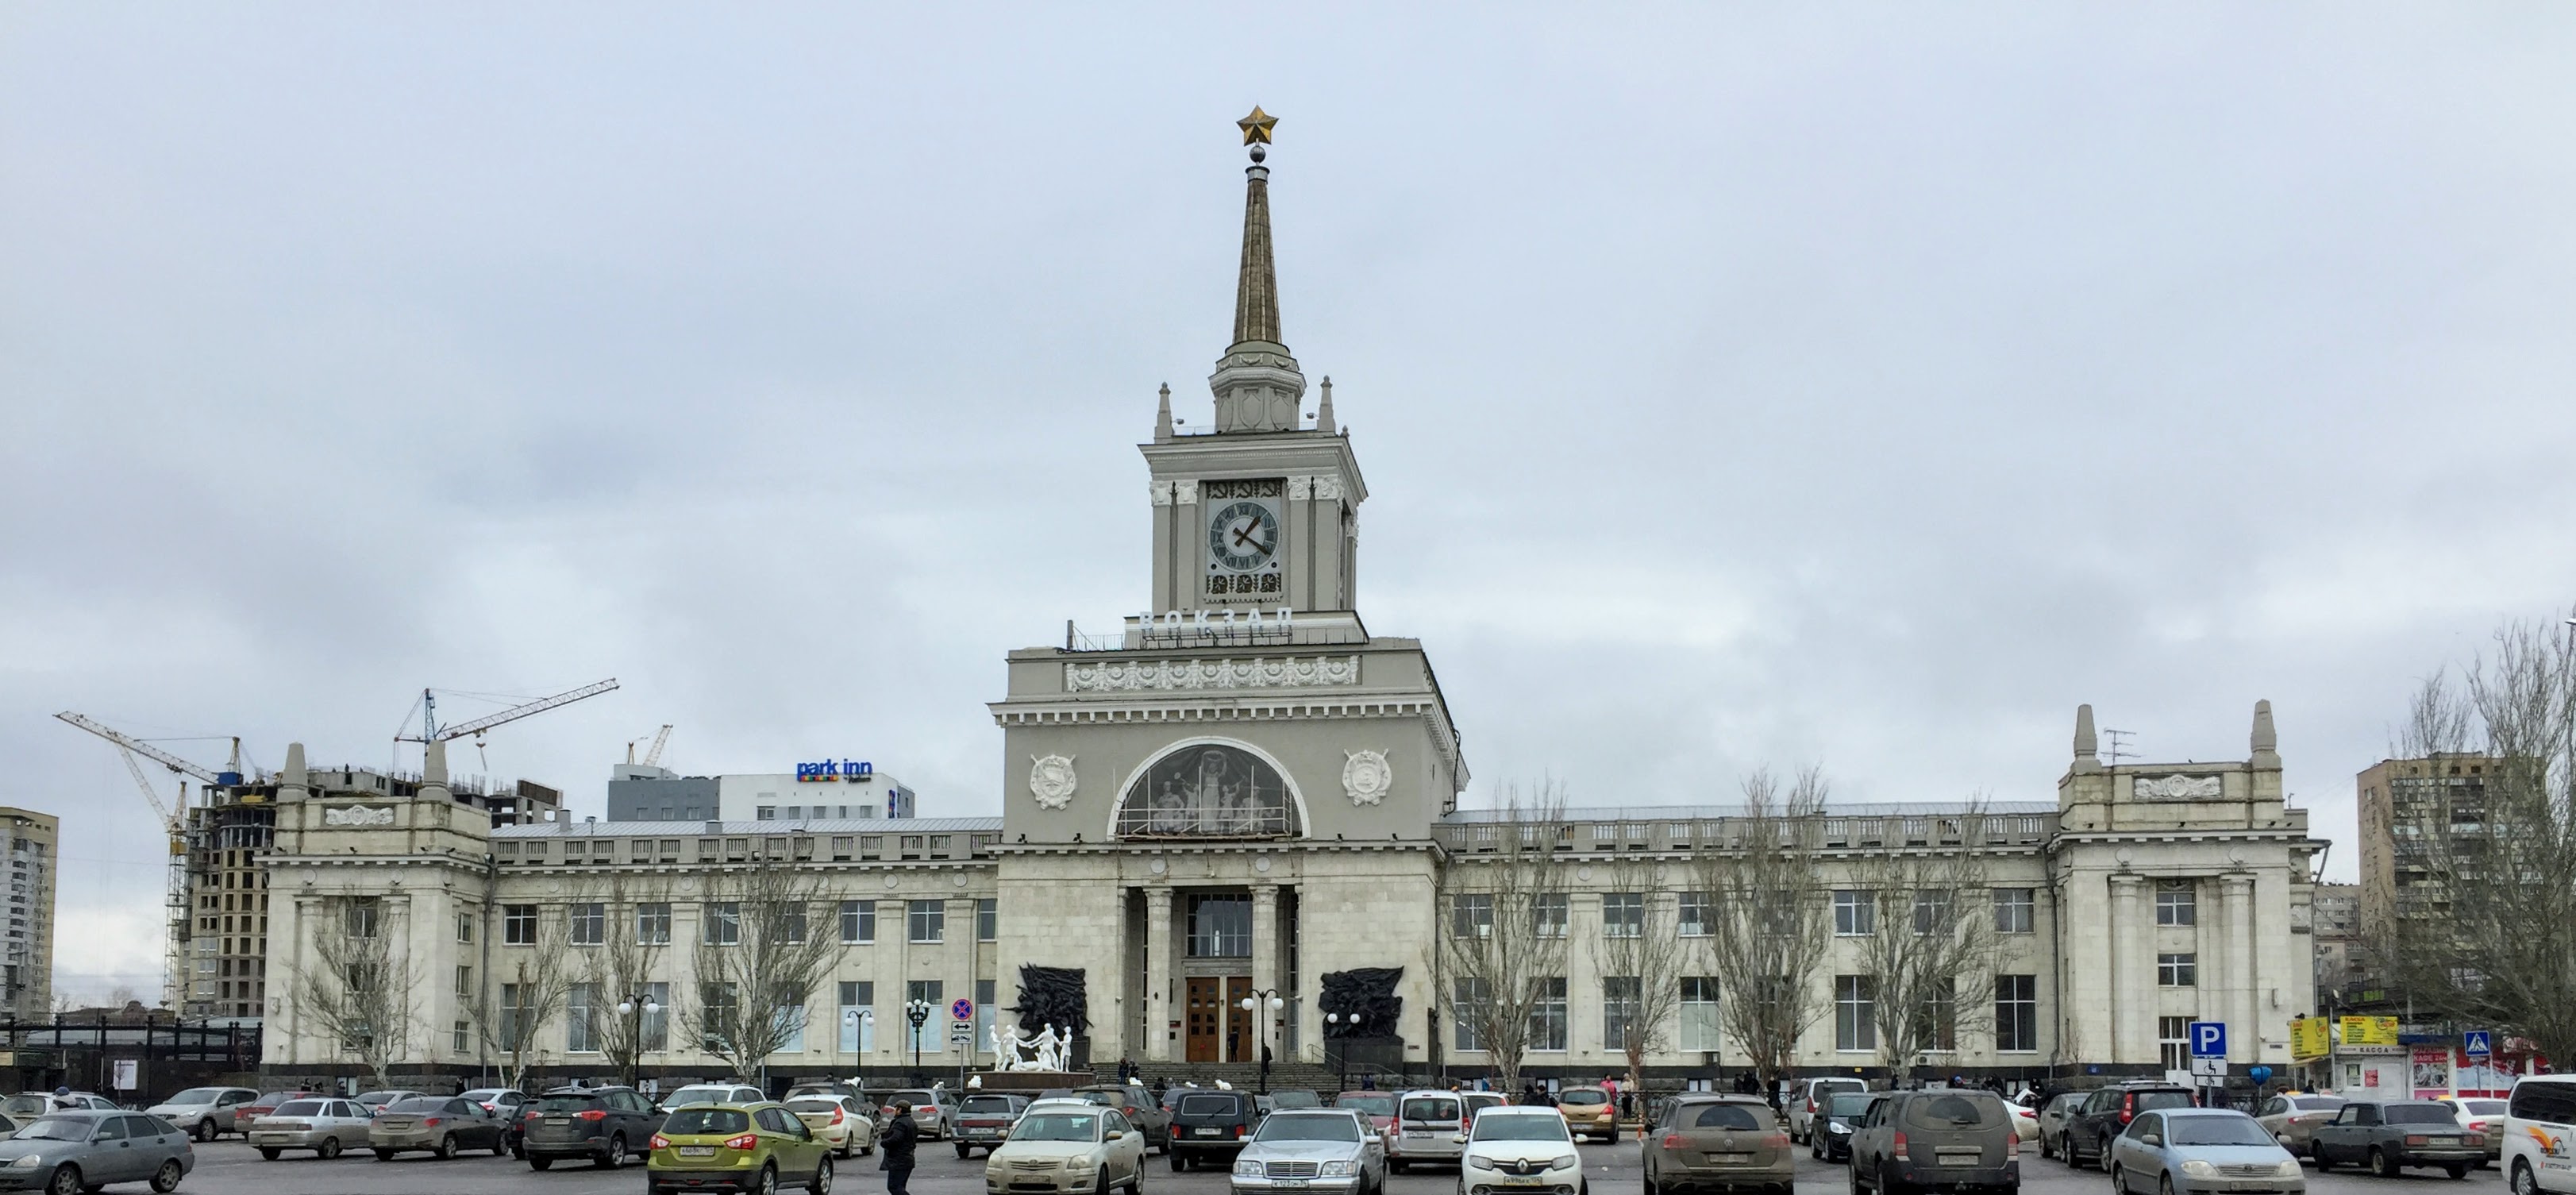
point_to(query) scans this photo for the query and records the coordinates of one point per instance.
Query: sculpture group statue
(1049, 1049)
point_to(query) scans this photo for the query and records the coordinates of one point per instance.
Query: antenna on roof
(2120, 744)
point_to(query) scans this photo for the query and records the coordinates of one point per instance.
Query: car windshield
(300, 1108)
(1586, 1098)
(1849, 1104)
(1207, 1105)
(1295, 1099)
(1721, 1116)
(2149, 1101)
(2316, 1103)
(380, 1097)
(1490, 1127)
(1323, 1127)
(2214, 1130)
(1368, 1102)
(814, 1105)
(565, 1105)
(418, 1103)
(56, 1128)
(2419, 1114)
(2482, 1107)
(1957, 1111)
(481, 1095)
(918, 1099)
(702, 1122)
(195, 1095)
(986, 1103)
(699, 1095)
(1057, 1126)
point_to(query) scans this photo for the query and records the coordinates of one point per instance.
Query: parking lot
(231, 1168)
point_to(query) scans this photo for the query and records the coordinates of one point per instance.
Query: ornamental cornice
(1264, 672)
(1214, 708)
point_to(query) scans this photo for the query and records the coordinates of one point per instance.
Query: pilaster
(2244, 1034)
(1160, 1008)
(1265, 968)
(2133, 974)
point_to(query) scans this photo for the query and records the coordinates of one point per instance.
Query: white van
(2540, 1135)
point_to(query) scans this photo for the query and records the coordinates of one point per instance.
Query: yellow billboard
(2309, 1038)
(2369, 1031)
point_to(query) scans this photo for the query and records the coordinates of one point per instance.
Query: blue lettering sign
(829, 771)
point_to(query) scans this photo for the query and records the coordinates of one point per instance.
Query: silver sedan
(67, 1153)
(1324, 1149)
(324, 1125)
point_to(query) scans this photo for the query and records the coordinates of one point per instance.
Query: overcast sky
(1736, 385)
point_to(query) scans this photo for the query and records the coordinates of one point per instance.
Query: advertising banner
(2432, 1071)
(2309, 1039)
(2369, 1031)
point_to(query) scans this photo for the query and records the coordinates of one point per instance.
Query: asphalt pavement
(231, 1168)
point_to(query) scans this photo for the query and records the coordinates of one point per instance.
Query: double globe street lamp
(635, 1008)
(1264, 1000)
(1342, 1054)
(917, 1011)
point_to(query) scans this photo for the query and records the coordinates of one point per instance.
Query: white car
(1519, 1149)
(839, 1121)
(1069, 1149)
(2540, 1135)
(1808, 1097)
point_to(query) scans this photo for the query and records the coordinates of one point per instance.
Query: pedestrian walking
(896, 1149)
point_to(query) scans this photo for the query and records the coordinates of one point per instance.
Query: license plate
(1730, 1159)
(697, 1151)
(553, 1122)
(1288, 1183)
(2446, 1141)
(1959, 1158)
(1207, 1132)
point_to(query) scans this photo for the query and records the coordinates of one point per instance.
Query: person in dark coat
(896, 1148)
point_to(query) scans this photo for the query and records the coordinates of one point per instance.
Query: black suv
(1211, 1126)
(2106, 1114)
(604, 1124)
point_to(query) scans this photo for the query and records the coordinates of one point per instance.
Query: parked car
(1952, 1139)
(2482, 1116)
(1427, 1125)
(205, 1113)
(2291, 1118)
(714, 1093)
(984, 1120)
(82, 1150)
(267, 1103)
(2202, 1151)
(1718, 1143)
(1061, 1147)
(438, 1124)
(1520, 1149)
(752, 1148)
(323, 1125)
(2390, 1135)
(2053, 1118)
(1292, 1098)
(604, 1124)
(1378, 1106)
(2540, 1135)
(1330, 1150)
(2106, 1114)
(1829, 1138)
(1808, 1099)
(841, 1122)
(508, 1107)
(1478, 1101)
(1589, 1111)
(1149, 1116)
(1210, 1127)
(372, 1100)
(852, 1090)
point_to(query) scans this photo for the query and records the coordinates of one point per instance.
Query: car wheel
(330, 1148)
(500, 1148)
(821, 1184)
(2523, 1183)
(65, 1181)
(2164, 1184)
(2119, 1179)
(767, 1182)
(166, 1179)
(269, 1152)
(2457, 1170)
(2045, 1150)
(2318, 1152)
(1100, 1182)
(963, 1150)
(447, 1148)
(384, 1155)
(205, 1130)
(616, 1154)
(2102, 1155)
(2380, 1163)
(1136, 1181)
(540, 1163)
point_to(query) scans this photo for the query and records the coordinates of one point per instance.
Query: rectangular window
(2173, 1042)
(519, 925)
(1939, 1018)
(927, 920)
(2016, 1013)
(510, 1016)
(988, 919)
(983, 1014)
(1855, 1013)
(1467, 1012)
(653, 923)
(790, 1020)
(1471, 915)
(1623, 914)
(462, 1039)
(2015, 911)
(362, 917)
(465, 927)
(723, 923)
(931, 1035)
(1699, 1013)
(1547, 1016)
(1932, 912)
(765, 813)
(2176, 903)
(654, 1025)
(716, 1002)
(858, 921)
(858, 1020)
(1620, 998)
(1694, 912)
(2178, 970)
(1547, 915)
(581, 1033)
(792, 923)
(465, 982)
(589, 923)
(1855, 913)
(1220, 927)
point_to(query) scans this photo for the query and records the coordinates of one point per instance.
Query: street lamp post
(852, 1020)
(1341, 1068)
(916, 1011)
(1255, 1003)
(635, 1008)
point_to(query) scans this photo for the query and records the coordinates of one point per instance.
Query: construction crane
(432, 732)
(174, 820)
(652, 758)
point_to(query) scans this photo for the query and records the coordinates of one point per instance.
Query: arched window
(1208, 790)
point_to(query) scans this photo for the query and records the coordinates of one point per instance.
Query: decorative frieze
(2176, 788)
(1278, 672)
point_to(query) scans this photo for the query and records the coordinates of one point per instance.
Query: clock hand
(1243, 537)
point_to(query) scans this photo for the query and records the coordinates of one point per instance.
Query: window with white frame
(1623, 914)
(2177, 903)
(926, 1038)
(2016, 911)
(1933, 909)
(858, 921)
(1855, 913)
(1547, 915)
(857, 1016)
(1471, 915)
(2173, 1042)
(1547, 1016)
(2178, 970)
(1699, 1027)
(1693, 914)
(1855, 1013)
(927, 920)
(724, 923)
(653, 923)
(1467, 1012)
(581, 1031)
(1620, 997)
(589, 923)
(518, 925)
(653, 1022)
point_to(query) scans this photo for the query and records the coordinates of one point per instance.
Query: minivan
(2540, 1135)
(1427, 1125)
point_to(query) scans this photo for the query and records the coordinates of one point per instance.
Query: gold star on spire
(1256, 127)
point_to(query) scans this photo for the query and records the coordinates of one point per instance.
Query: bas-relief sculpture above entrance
(1208, 790)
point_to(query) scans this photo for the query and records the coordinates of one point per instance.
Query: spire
(1256, 383)
(2088, 748)
(1163, 416)
(1324, 408)
(2266, 743)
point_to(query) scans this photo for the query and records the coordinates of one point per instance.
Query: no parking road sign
(2209, 1039)
(961, 1009)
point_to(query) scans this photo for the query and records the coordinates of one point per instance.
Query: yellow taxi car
(740, 1149)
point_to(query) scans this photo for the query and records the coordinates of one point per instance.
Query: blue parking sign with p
(2209, 1039)
(2476, 1044)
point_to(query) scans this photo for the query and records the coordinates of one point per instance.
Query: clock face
(1242, 536)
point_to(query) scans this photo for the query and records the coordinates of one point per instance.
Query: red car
(1378, 1106)
(268, 1101)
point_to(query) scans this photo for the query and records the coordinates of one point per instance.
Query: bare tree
(1504, 948)
(1766, 924)
(358, 989)
(635, 932)
(1641, 958)
(2486, 933)
(760, 954)
(1931, 956)
(530, 985)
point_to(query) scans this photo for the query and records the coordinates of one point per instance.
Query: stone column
(1265, 971)
(2133, 985)
(2244, 1039)
(1158, 1002)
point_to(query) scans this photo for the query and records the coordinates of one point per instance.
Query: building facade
(34, 843)
(1247, 794)
(831, 789)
